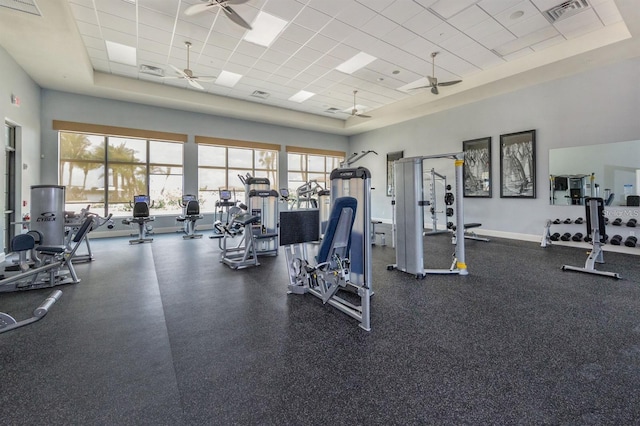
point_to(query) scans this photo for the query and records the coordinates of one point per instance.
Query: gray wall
(594, 107)
(26, 118)
(85, 109)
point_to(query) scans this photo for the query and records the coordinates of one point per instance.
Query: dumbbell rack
(624, 230)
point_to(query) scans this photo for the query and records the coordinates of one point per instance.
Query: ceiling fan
(354, 112)
(187, 74)
(222, 4)
(433, 81)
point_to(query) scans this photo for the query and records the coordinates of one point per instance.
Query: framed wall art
(477, 167)
(518, 165)
(391, 157)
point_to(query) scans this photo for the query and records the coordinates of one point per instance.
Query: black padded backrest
(633, 200)
(22, 242)
(141, 209)
(193, 208)
(84, 229)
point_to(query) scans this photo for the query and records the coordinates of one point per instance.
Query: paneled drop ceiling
(130, 48)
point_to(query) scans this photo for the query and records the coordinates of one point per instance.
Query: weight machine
(72, 223)
(432, 203)
(344, 257)
(409, 217)
(594, 209)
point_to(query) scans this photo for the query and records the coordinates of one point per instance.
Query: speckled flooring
(164, 334)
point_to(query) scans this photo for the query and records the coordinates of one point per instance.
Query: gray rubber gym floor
(164, 334)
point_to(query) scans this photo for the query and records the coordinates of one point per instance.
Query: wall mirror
(610, 171)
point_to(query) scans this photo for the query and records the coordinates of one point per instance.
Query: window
(107, 171)
(222, 161)
(311, 164)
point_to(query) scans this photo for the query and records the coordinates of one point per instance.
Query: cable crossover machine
(409, 217)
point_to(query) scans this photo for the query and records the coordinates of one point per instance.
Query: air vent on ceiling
(566, 9)
(260, 94)
(150, 69)
(26, 6)
(332, 110)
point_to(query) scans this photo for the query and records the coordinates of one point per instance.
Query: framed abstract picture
(518, 165)
(391, 157)
(477, 167)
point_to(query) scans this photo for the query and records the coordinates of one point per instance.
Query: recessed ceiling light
(228, 79)
(121, 53)
(354, 64)
(266, 29)
(301, 96)
(517, 14)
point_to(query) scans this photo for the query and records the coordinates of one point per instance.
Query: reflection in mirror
(610, 171)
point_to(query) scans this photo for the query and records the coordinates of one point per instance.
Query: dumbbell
(557, 222)
(555, 236)
(588, 239)
(617, 222)
(616, 240)
(566, 236)
(449, 212)
(567, 221)
(579, 221)
(577, 236)
(450, 225)
(632, 223)
(631, 241)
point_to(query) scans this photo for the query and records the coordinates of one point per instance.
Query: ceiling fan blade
(449, 83)
(235, 17)
(195, 84)
(198, 8)
(362, 115)
(178, 71)
(235, 1)
(434, 90)
(419, 87)
(204, 78)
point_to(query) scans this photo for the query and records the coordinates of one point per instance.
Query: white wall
(595, 107)
(85, 109)
(26, 118)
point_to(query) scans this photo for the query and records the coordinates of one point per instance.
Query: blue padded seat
(339, 205)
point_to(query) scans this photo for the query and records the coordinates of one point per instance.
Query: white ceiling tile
(251, 49)
(297, 34)
(507, 17)
(455, 66)
(322, 43)
(308, 54)
(608, 12)
(440, 33)
(155, 19)
(191, 32)
(544, 5)
(300, 65)
(102, 65)
(222, 40)
(124, 9)
(402, 10)
(425, 3)
(169, 8)
(96, 53)
(152, 47)
(448, 8)
(93, 42)
(84, 14)
(481, 58)
(344, 52)
(274, 57)
(152, 58)
(493, 7)
(84, 3)
(526, 41)
(400, 36)
(377, 5)
(154, 34)
(534, 23)
(312, 19)
(457, 42)
(116, 23)
(355, 14)
(337, 30)
(484, 28)
(519, 54)
(329, 61)
(284, 9)
(360, 41)
(468, 18)
(379, 26)
(420, 47)
(423, 22)
(496, 39)
(266, 66)
(285, 46)
(548, 43)
(579, 24)
(316, 70)
(242, 59)
(119, 37)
